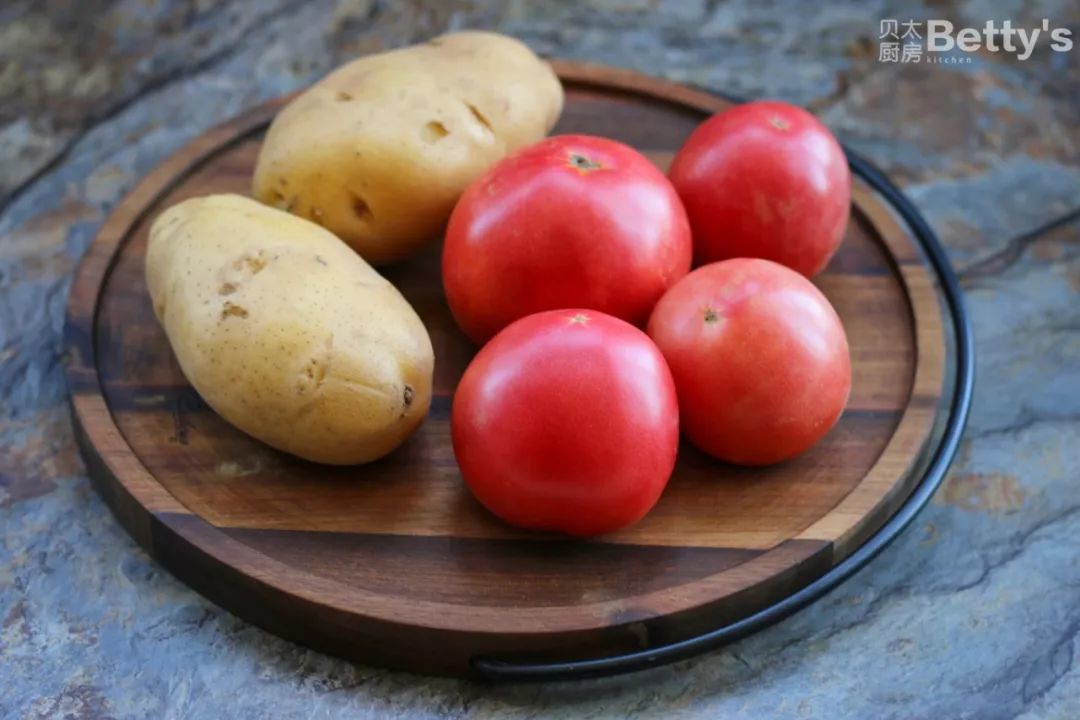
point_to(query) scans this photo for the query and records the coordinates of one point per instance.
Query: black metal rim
(506, 670)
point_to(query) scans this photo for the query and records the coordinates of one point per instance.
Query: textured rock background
(973, 613)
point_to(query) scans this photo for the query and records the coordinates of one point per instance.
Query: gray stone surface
(973, 613)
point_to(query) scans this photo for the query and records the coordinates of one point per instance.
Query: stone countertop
(973, 613)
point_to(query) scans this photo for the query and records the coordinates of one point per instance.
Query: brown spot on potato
(280, 201)
(407, 396)
(361, 209)
(434, 131)
(342, 96)
(317, 367)
(254, 264)
(232, 310)
(315, 371)
(242, 269)
(480, 118)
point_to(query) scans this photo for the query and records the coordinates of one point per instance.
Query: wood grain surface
(393, 563)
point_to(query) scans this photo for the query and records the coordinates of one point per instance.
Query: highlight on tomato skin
(567, 420)
(764, 180)
(571, 221)
(759, 357)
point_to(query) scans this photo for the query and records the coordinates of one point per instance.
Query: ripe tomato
(759, 357)
(567, 420)
(764, 180)
(572, 221)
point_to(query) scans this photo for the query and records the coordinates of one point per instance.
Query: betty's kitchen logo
(915, 40)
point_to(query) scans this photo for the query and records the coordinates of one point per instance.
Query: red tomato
(759, 357)
(567, 420)
(572, 221)
(764, 180)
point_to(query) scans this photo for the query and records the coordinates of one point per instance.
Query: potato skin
(287, 333)
(379, 150)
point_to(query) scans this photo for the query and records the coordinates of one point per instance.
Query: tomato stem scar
(779, 123)
(579, 319)
(710, 315)
(583, 163)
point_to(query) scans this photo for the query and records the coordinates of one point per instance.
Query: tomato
(567, 420)
(759, 357)
(572, 221)
(764, 180)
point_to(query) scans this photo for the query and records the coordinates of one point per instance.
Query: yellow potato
(379, 151)
(287, 333)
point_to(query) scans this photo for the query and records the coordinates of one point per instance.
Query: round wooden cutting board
(394, 563)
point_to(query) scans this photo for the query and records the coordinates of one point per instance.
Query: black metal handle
(508, 670)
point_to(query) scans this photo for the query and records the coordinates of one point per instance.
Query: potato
(287, 333)
(378, 151)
